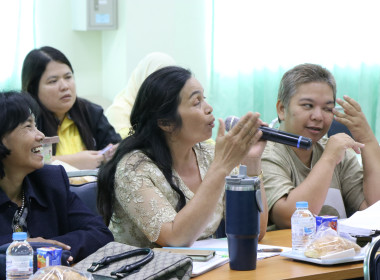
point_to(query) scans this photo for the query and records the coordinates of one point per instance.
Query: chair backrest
(87, 192)
(371, 265)
(337, 127)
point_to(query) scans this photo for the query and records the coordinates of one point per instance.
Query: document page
(364, 222)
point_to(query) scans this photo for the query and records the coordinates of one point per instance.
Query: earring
(132, 130)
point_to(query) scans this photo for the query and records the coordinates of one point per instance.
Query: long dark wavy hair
(33, 68)
(15, 109)
(157, 102)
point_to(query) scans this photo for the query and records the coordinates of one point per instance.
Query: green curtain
(362, 84)
(241, 81)
(18, 38)
(257, 92)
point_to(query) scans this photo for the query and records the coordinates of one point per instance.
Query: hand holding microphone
(275, 135)
(232, 148)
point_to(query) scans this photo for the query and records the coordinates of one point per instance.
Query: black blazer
(54, 212)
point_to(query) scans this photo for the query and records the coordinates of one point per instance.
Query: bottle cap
(302, 204)
(19, 236)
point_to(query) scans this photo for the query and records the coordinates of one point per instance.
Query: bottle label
(20, 264)
(303, 230)
(308, 230)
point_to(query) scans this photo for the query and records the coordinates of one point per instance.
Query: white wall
(103, 60)
(171, 26)
(83, 49)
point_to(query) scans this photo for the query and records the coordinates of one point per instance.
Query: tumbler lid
(242, 181)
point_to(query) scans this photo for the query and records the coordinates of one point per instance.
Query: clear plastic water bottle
(303, 226)
(19, 257)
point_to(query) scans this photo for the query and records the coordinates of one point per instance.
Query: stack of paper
(362, 223)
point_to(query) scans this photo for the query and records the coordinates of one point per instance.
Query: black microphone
(275, 135)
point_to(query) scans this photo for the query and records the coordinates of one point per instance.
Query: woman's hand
(53, 242)
(354, 119)
(239, 142)
(83, 160)
(88, 159)
(338, 144)
(108, 152)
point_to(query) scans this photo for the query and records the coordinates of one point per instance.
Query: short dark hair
(157, 101)
(15, 108)
(303, 74)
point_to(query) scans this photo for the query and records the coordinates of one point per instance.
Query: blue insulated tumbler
(243, 207)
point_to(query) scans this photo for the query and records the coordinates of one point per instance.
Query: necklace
(18, 227)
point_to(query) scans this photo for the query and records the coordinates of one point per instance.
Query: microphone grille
(230, 122)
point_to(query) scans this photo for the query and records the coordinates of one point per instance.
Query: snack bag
(327, 243)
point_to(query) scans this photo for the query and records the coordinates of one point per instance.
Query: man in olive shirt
(328, 175)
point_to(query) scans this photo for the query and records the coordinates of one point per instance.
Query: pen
(269, 250)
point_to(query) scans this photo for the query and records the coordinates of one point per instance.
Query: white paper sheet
(364, 222)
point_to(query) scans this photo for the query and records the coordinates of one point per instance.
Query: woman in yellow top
(120, 110)
(82, 128)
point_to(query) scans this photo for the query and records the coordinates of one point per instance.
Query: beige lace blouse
(145, 200)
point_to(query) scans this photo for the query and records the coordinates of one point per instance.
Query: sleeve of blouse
(145, 196)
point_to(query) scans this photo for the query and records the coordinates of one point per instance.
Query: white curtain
(268, 34)
(17, 33)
